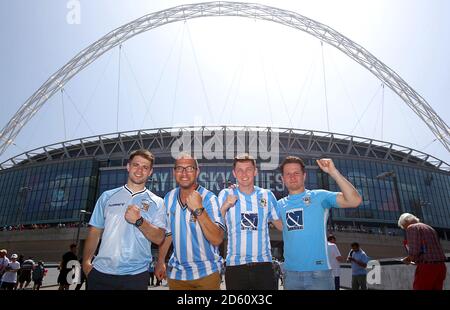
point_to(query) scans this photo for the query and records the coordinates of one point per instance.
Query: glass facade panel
(46, 192)
(56, 191)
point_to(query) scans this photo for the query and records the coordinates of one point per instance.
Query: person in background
(335, 258)
(9, 278)
(64, 267)
(25, 273)
(4, 261)
(38, 275)
(425, 250)
(359, 260)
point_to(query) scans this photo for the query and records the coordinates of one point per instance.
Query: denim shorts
(309, 280)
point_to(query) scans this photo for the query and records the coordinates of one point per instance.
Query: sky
(225, 70)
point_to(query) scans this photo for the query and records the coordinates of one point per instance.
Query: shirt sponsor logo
(249, 221)
(294, 219)
(116, 204)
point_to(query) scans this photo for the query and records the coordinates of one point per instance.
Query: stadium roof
(159, 140)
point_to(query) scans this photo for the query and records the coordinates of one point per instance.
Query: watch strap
(139, 222)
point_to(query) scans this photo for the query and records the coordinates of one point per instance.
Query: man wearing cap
(9, 278)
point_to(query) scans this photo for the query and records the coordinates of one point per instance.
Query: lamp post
(82, 213)
(391, 174)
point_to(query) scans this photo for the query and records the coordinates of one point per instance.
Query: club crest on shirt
(263, 202)
(307, 200)
(145, 204)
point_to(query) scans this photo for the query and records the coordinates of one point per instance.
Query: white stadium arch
(222, 8)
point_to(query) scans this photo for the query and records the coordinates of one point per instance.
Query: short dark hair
(292, 160)
(356, 244)
(243, 158)
(331, 237)
(73, 245)
(144, 153)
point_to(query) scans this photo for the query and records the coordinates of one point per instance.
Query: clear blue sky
(245, 71)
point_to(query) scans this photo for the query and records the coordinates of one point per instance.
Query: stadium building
(48, 193)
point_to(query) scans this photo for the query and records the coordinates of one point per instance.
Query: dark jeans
(337, 283)
(97, 280)
(253, 276)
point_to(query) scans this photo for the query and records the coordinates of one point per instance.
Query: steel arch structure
(236, 9)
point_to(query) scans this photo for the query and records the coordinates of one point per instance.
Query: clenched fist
(194, 201)
(327, 165)
(132, 214)
(230, 201)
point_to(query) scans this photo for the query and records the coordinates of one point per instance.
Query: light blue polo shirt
(361, 256)
(124, 250)
(304, 219)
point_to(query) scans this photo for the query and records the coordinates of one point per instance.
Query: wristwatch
(139, 222)
(198, 211)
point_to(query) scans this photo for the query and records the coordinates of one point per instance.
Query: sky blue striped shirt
(193, 257)
(247, 225)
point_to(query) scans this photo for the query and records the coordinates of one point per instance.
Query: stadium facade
(53, 183)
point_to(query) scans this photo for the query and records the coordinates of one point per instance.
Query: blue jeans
(309, 280)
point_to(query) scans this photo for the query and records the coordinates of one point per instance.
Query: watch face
(139, 222)
(198, 211)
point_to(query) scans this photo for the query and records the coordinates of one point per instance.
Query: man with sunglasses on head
(247, 211)
(195, 228)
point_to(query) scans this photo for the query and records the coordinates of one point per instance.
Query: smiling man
(194, 228)
(126, 219)
(304, 214)
(247, 211)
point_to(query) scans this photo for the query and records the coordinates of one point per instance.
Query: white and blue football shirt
(247, 225)
(124, 250)
(193, 256)
(304, 219)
